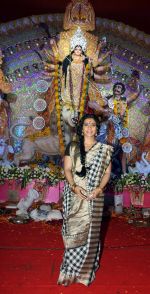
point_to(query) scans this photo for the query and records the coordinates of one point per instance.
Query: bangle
(73, 187)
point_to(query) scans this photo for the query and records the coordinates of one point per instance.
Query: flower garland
(39, 134)
(52, 174)
(84, 90)
(58, 103)
(132, 182)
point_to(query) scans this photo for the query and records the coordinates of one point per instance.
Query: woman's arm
(68, 170)
(69, 177)
(102, 185)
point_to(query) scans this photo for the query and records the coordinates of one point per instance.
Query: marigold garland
(39, 134)
(119, 105)
(58, 109)
(84, 91)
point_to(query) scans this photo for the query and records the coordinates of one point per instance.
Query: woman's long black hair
(82, 173)
(68, 59)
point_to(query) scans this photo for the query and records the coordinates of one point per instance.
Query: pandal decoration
(38, 123)
(39, 105)
(127, 147)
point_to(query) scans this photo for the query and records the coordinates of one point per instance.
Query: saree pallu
(82, 218)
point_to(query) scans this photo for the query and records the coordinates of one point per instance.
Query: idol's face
(78, 50)
(118, 90)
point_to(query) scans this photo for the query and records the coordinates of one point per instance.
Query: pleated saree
(82, 218)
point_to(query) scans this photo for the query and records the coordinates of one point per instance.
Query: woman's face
(78, 51)
(89, 128)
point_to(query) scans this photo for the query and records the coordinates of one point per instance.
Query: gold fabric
(77, 76)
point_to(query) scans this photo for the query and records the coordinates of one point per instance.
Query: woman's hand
(79, 191)
(95, 193)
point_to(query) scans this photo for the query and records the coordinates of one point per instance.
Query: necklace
(88, 147)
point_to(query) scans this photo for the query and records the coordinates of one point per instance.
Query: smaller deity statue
(114, 129)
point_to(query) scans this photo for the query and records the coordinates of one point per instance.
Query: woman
(87, 169)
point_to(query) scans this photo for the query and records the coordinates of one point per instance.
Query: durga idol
(77, 65)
